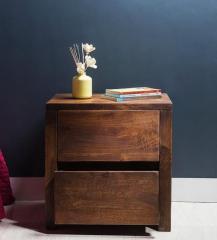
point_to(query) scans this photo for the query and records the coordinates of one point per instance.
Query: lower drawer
(106, 197)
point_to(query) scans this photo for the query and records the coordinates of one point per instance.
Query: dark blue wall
(168, 44)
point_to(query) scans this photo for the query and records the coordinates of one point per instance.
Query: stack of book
(128, 94)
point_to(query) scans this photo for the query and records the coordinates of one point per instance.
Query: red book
(135, 90)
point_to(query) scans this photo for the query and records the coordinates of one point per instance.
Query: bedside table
(108, 163)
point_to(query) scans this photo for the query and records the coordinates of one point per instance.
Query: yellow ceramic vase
(82, 86)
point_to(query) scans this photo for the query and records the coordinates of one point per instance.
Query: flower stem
(78, 52)
(71, 51)
(82, 50)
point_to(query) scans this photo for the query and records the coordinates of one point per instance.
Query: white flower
(90, 62)
(80, 67)
(83, 60)
(88, 48)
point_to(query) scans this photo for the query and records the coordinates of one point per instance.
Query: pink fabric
(6, 196)
(2, 212)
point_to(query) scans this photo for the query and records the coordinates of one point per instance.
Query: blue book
(121, 99)
(135, 95)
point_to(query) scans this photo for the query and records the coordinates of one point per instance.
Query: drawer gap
(107, 166)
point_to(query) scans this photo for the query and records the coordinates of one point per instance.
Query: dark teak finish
(108, 163)
(91, 135)
(106, 197)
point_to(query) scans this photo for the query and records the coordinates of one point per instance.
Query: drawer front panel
(106, 197)
(108, 135)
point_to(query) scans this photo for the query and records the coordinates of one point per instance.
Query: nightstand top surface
(97, 102)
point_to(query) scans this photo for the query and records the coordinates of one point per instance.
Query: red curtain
(6, 195)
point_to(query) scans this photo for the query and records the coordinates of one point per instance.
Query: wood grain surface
(165, 170)
(108, 135)
(50, 164)
(65, 101)
(108, 163)
(106, 197)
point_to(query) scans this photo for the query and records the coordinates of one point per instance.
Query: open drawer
(106, 197)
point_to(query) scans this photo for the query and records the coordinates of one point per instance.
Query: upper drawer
(108, 135)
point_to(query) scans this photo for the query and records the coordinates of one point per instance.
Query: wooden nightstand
(108, 163)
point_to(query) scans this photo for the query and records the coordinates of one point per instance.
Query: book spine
(133, 95)
(117, 99)
(138, 98)
(131, 92)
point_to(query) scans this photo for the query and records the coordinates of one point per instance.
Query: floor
(190, 221)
